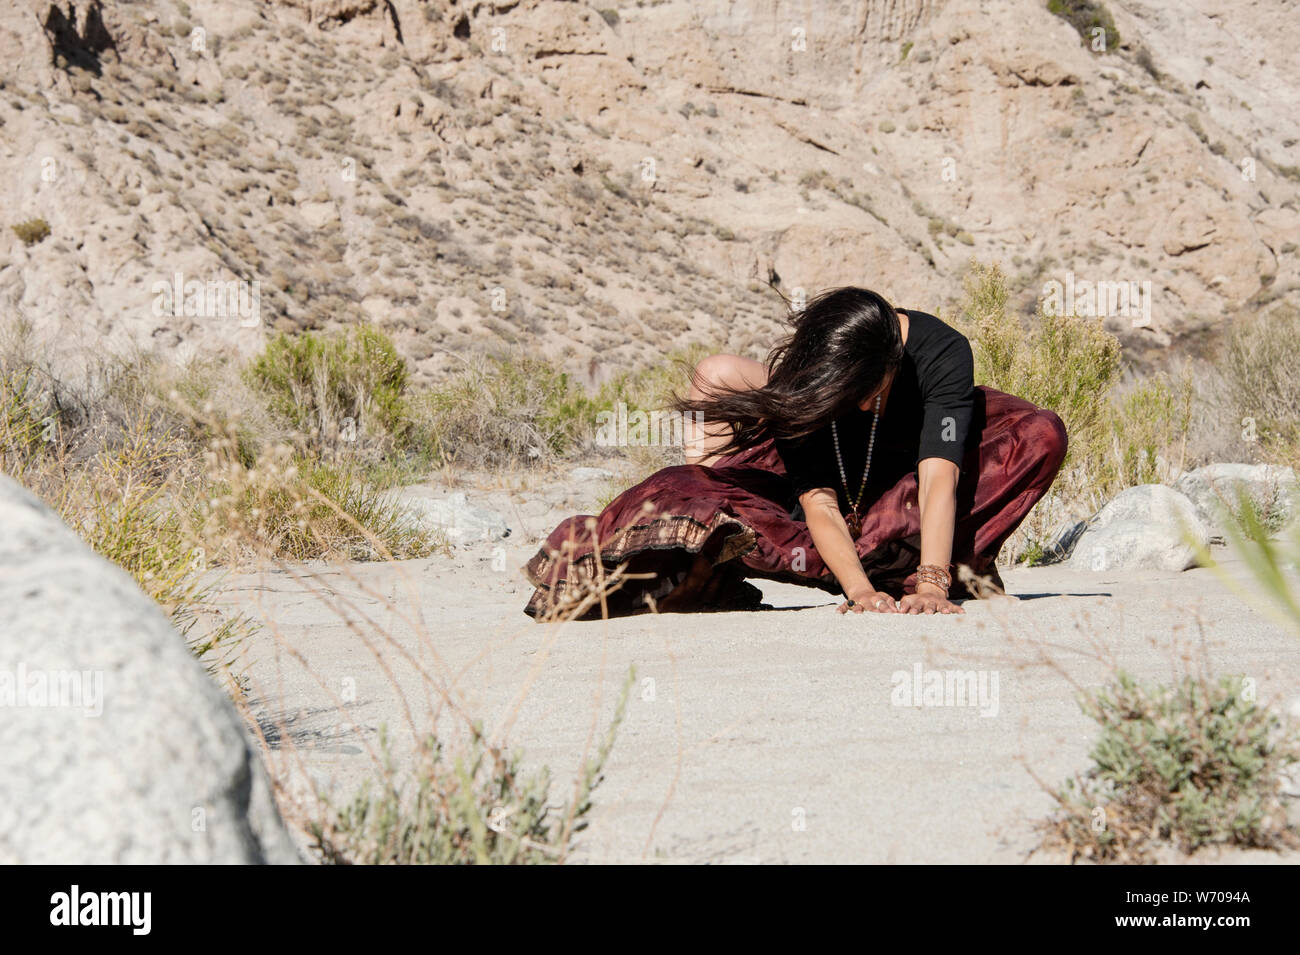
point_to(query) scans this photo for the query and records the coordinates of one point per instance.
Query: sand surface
(773, 736)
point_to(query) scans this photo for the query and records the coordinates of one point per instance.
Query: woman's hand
(866, 599)
(928, 601)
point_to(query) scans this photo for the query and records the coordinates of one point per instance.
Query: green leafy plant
(346, 388)
(1189, 765)
(1063, 362)
(1150, 420)
(506, 410)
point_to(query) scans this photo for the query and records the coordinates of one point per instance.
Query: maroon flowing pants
(737, 515)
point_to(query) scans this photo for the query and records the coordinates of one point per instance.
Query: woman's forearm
(937, 499)
(836, 548)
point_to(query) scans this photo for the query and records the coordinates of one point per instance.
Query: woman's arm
(937, 499)
(831, 537)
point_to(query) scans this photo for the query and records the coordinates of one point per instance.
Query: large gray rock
(1143, 528)
(1215, 488)
(115, 744)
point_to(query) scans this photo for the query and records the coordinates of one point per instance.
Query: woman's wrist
(934, 579)
(859, 592)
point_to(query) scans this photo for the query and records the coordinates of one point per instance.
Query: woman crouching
(860, 459)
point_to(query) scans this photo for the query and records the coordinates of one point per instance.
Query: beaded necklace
(853, 518)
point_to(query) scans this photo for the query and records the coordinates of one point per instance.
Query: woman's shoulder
(941, 354)
(928, 332)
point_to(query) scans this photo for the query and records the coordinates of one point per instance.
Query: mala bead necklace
(854, 518)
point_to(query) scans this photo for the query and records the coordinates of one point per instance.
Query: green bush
(1086, 16)
(506, 411)
(1063, 362)
(1192, 765)
(338, 389)
(1149, 421)
(32, 231)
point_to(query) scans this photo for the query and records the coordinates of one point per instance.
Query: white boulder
(1149, 527)
(115, 746)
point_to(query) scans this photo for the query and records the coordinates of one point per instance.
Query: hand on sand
(927, 603)
(869, 601)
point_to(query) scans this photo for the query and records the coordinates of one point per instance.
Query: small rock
(1214, 488)
(462, 522)
(591, 474)
(1143, 527)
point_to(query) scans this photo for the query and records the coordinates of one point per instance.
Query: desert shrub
(289, 507)
(1072, 365)
(336, 390)
(476, 807)
(1192, 765)
(123, 507)
(1148, 423)
(1257, 364)
(131, 504)
(169, 471)
(32, 231)
(1086, 16)
(505, 410)
(1144, 59)
(1062, 362)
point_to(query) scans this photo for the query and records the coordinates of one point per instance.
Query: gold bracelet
(934, 574)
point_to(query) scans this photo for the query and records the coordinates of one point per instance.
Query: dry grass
(1260, 387)
(161, 472)
(1121, 435)
(170, 472)
(447, 791)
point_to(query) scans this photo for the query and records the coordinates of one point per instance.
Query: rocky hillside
(605, 184)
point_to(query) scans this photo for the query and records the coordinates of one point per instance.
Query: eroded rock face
(1149, 527)
(628, 174)
(115, 745)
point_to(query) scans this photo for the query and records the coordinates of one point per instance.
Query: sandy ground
(769, 736)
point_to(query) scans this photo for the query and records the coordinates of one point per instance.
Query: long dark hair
(843, 344)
